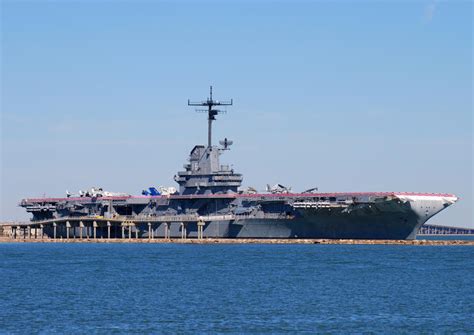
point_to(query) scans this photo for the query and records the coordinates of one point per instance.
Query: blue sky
(367, 96)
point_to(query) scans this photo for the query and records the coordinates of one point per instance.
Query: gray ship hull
(320, 228)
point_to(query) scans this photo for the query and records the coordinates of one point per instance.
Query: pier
(159, 230)
(119, 227)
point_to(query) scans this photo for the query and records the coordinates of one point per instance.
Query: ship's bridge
(204, 174)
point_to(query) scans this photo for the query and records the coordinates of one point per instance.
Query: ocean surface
(166, 288)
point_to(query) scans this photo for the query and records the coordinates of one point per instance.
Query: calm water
(127, 288)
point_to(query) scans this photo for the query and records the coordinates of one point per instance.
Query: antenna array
(211, 111)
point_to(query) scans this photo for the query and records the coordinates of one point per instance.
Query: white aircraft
(167, 190)
(278, 188)
(248, 190)
(96, 192)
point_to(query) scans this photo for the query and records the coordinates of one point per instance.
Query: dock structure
(165, 228)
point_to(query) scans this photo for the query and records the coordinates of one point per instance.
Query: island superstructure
(211, 203)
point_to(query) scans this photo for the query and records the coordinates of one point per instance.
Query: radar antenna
(210, 103)
(226, 143)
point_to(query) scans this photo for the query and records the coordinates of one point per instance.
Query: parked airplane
(278, 188)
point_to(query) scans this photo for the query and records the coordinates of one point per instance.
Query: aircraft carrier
(210, 203)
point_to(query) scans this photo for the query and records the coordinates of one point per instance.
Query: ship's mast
(210, 103)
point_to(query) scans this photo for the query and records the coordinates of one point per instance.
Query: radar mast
(211, 112)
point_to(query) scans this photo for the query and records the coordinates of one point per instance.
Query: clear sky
(366, 96)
